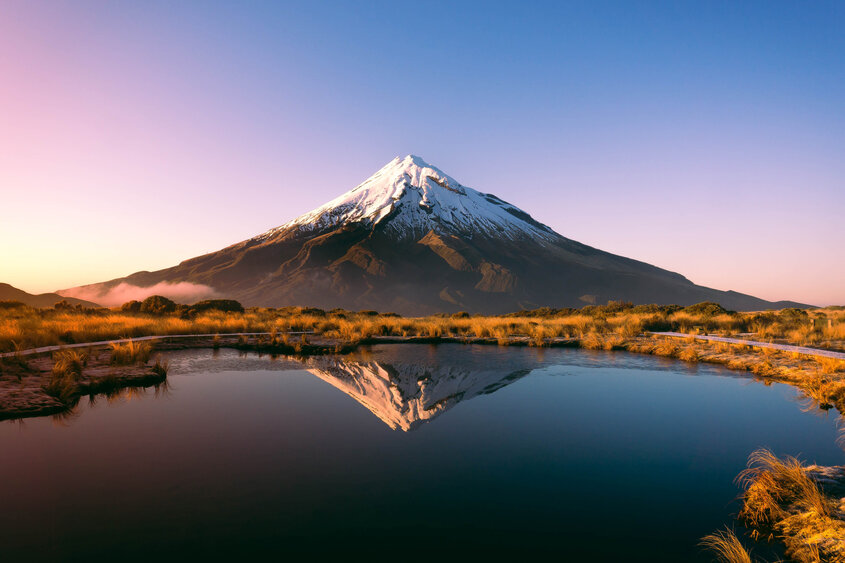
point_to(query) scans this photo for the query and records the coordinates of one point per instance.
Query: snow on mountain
(409, 198)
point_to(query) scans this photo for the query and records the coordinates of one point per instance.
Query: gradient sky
(706, 138)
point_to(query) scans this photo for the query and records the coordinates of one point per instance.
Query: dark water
(404, 452)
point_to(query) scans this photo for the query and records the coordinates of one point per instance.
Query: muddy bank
(25, 389)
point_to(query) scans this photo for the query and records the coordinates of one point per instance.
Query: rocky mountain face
(413, 240)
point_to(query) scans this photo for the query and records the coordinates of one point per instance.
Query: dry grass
(66, 374)
(830, 365)
(160, 368)
(30, 327)
(689, 355)
(726, 547)
(781, 500)
(127, 353)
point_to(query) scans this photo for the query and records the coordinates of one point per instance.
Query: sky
(707, 138)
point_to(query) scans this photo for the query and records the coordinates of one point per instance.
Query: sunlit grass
(63, 383)
(726, 547)
(782, 500)
(132, 352)
(42, 327)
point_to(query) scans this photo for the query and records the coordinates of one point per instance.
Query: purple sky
(708, 139)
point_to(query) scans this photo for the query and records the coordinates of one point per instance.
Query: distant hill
(413, 240)
(9, 293)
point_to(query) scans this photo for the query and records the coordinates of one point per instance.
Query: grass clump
(160, 368)
(66, 374)
(132, 352)
(781, 500)
(830, 365)
(726, 547)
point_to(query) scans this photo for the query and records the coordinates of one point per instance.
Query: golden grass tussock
(666, 347)
(160, 368)
(132, 352)
(69, 363)
(782, 500)
(63, 383)
(726, 547)
(830, 365)
(689, 355)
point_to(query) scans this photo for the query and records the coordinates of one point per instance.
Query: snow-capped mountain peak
(409, 197)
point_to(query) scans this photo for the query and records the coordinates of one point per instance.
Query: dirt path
(784, 347)
(45, 349)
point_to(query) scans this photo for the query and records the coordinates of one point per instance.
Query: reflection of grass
(782, 500)
(726, 547)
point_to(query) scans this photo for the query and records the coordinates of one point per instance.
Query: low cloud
(181, 292)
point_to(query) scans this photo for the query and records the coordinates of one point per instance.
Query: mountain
(413, 240)
(9, 293)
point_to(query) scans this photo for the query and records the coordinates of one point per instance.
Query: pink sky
(133, 138)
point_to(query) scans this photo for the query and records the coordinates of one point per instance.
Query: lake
(404, 451)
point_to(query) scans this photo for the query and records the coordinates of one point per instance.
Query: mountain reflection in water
(407, 386)
(404, 387)
(406, 395)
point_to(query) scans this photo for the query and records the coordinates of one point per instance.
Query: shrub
(131, 307)
(157, 305)
(707, 308)
(314, 311)
(225, 305)
(793, 315)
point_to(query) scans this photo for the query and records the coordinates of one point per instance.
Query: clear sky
(706, 138)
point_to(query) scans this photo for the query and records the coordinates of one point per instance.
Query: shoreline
(792, 365)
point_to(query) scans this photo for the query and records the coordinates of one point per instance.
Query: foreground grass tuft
(782, 501)
(726, 547)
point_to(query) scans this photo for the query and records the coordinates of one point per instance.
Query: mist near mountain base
(181, 292)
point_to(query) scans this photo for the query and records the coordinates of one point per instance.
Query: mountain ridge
(11, 293)
(413, 240)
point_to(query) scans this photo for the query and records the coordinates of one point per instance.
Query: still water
(402, 452)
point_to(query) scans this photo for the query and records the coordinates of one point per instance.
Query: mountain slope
(9, 293)
(412, 239)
